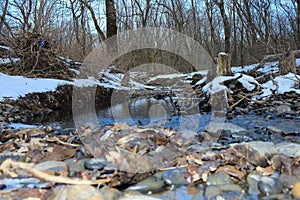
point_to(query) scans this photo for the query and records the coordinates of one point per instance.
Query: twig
(236, 103)
(256, 101)
(243, 98)
(170, 168)
(9, 165)
(63, 143)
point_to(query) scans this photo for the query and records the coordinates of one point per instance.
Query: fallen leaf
(197, 173)
(231, 171)
(267, 171)
(120, 126)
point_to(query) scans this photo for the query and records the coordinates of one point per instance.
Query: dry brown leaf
(120, 126)
(267, 171)
(193, 159)
(201, 172)
(130, 162)
(128, 138)
(231, 171)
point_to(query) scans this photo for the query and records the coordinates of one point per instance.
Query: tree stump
(287, 63)
(223, 64)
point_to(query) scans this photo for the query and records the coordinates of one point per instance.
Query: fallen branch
(256, 101)
(8, 166)
(243, 97)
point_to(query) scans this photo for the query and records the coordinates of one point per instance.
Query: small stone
(212, 191)
(287, 181)
(175, 177)
(277, 196)
(54, 168)
(283, 109)
(296, 190)
(2, 186)
(259, 152)
(10, 119)
(77, 192)
(14, 156)
(296, 172)
(150, 185)
(110, 168)
(139, 197)
(252, 180)
(219, 179)
(75, 166)
(110, 193)
(95, 163)
(289, 149)
(230, 188)
(274, 129)
(269, 185)
(8, 109)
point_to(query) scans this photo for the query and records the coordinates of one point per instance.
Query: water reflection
(151, 112)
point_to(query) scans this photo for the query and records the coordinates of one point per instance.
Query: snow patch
(138, 85)
(77, 72)
(8, 60)
(298, 62)
(269, 67)
(201, 81)
(281, 85)
(216, 85)
(18, 126)
(248, 82)
(5, 47)
(287, 83)
(166, 76)
(223, 54)
(240, 69)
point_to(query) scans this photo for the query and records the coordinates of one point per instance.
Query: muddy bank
(43, 107)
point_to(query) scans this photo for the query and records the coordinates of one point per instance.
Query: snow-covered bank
(14, 86)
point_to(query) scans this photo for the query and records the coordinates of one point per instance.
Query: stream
(239, 127)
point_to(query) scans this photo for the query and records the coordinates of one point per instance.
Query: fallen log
(274, 58)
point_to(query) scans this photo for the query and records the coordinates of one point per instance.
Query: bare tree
(226, 24)
(101, 34)
(2, 17)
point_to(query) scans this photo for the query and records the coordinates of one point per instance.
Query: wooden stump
(287, 63)
(223, 64)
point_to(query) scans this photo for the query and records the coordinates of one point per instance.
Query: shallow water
(150, 112)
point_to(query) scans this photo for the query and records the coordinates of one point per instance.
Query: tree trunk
(111, 26)
(111, 19)
(298, 22)
(224, 64)
(287, 63)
